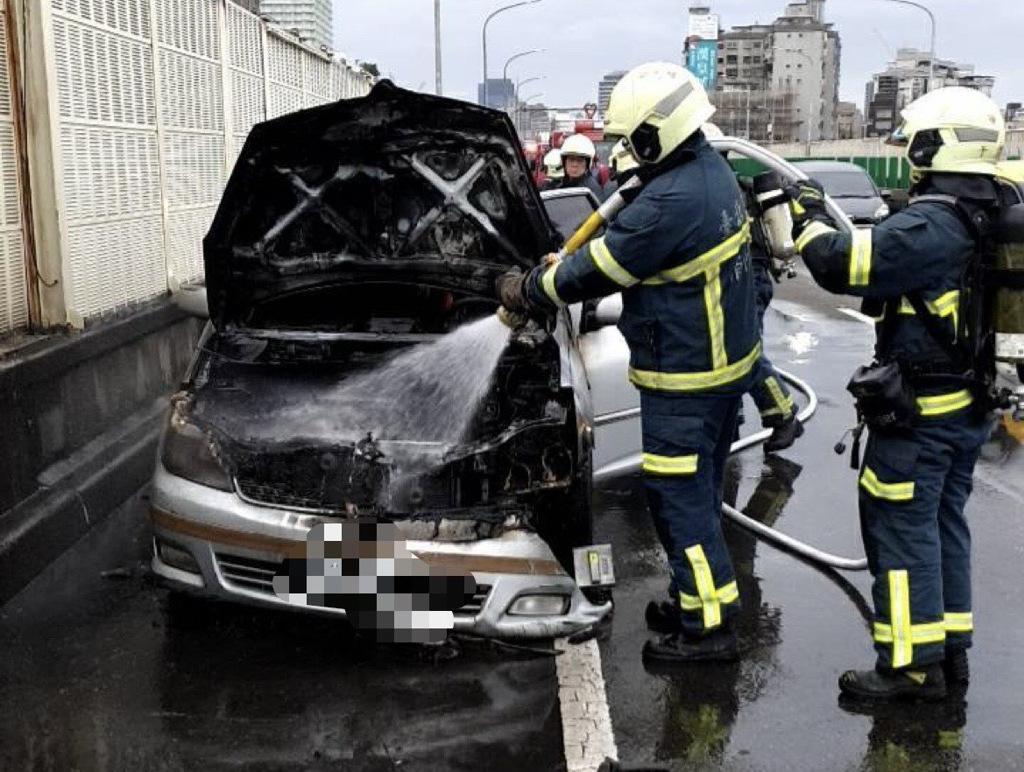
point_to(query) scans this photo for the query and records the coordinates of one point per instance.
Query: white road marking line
(854, 314)
(586, 723)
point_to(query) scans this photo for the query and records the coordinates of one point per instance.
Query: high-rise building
(310, 19)
(911, 74)
(253, 6)
(501, 94)
(780, 81)
(882, 107)
(849, 121)
(805, 59)
(1014, 115)
(605, 87)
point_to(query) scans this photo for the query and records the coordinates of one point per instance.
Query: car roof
(829, 166)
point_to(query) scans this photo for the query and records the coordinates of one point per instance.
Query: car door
(605, 356)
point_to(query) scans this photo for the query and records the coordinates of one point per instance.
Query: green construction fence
(892, 172)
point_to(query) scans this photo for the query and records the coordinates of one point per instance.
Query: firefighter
(679, 254)
(774, 402)
(622, 166)
(915, 480)
(578, 155)
(553, 166)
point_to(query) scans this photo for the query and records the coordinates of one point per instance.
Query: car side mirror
(607, 312)
(886, 194)
(192, 300)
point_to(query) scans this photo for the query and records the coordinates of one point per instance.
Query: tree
(370, 68)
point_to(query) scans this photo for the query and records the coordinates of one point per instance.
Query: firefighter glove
(511, 288)
(807, 204)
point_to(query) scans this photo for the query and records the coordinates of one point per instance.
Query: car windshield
(846, 184)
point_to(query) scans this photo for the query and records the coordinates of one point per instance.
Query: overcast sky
(584, 39)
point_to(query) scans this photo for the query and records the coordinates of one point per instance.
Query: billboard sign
(703, 26)
(702, 61)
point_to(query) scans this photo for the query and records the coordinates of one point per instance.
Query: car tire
(566, 517)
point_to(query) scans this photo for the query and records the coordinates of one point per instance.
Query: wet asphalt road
(777, 709)
(103, 673)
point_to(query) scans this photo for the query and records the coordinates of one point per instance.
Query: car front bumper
(237, 548)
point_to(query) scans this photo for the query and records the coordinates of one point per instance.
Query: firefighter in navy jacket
(914, 482)
(679, 253)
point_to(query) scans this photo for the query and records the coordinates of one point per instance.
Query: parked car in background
(851, 187)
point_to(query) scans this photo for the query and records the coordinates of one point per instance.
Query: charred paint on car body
(346, 233)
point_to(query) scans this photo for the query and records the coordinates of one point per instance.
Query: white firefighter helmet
(622, 159)
(553, 164)
(656, 107)
(580, 146)
(952, 129)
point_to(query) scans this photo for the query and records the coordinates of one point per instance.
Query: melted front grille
(324, 479)
(281, 496)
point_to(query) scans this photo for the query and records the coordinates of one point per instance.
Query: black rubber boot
(664, 617)
(955, 668)
(926, 683)
(678, 649)
(784, 435)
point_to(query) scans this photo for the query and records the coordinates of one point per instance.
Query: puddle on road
(801, 343)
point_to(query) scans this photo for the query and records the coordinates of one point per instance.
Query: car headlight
(188, 453)
(539, 605)
(882, 212)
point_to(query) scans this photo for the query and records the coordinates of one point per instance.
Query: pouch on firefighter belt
(884, 396)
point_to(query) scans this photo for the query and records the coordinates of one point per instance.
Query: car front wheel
(565, 518)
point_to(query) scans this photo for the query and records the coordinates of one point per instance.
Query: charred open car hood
(395, 186)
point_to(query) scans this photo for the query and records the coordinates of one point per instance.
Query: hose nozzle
(510, 318)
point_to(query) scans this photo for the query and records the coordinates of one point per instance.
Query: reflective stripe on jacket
(921, 250)
(680, 255)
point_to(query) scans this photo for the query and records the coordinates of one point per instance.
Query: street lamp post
(526, 109)
(931, 57)
(504, 70)
(484, 37)
(437, 47)
(519, 85)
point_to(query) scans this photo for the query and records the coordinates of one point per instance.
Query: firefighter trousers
(912, 490)
(686, 442)
(773, 400)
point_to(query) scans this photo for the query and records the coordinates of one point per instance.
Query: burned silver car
(347, 233)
